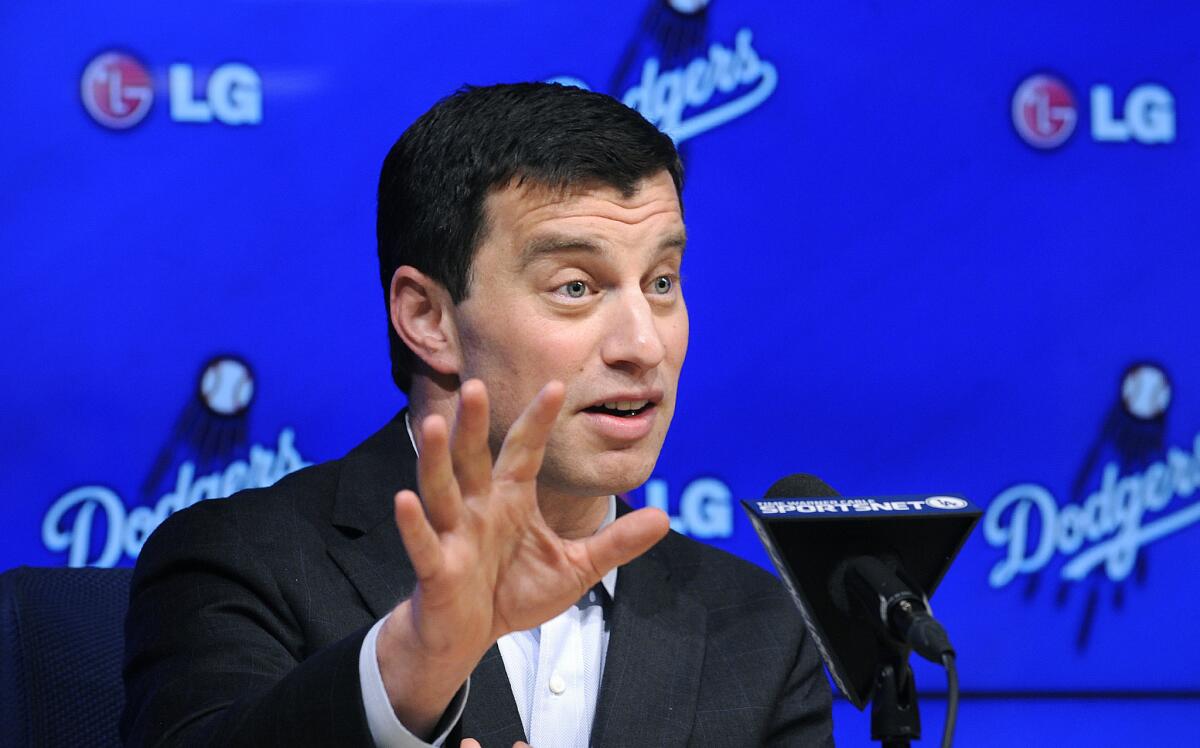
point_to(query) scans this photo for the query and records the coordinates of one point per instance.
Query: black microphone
(861, 570)
(869, 587)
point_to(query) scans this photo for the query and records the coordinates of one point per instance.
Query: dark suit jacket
(247, 615)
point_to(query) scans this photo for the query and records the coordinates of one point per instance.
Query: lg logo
(117, 91)
(705, 507)
(1044, 113)
(1149, 115)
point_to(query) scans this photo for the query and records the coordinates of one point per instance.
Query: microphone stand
(894, 716)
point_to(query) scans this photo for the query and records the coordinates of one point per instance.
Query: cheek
(675, 337)
(495, 343)
(516, 360)
(559, 348)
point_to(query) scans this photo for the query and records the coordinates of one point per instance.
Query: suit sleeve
(215, 657)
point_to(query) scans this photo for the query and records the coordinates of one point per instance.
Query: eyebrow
(554, 244)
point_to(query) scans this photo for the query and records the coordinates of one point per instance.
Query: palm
(545, 574)
(486, 561)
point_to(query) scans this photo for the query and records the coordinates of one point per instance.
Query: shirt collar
(609, 580)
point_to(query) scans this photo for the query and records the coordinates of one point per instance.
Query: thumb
(626, 539)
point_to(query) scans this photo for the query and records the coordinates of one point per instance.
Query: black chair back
(62, 643)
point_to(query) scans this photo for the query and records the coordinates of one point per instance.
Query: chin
(610, 473)
(628, 484)
(579, 464)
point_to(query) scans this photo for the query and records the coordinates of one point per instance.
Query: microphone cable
(948, 661)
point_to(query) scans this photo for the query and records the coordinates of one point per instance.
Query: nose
(633, 339)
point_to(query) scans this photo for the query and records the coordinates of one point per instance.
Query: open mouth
(621, 408)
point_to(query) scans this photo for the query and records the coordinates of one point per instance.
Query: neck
(571, 517)
(426, 398)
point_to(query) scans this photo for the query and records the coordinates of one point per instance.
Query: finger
(520, 457)
(624, 540)
(469, 743)
(469, 451)
(420, 540)
(435, 472)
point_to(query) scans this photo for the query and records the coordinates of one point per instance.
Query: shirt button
(557, 684)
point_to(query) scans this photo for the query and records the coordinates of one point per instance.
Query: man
(530, 244)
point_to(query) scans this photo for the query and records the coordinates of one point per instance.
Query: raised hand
(486, 561)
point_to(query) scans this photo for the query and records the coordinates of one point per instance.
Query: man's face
(582, 287)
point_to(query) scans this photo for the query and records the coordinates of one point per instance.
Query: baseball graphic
(227, 386)
(1145, 391)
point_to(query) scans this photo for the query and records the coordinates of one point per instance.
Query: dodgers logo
(1132, 489)
(207, 455)
(682, 78)
(677, 100)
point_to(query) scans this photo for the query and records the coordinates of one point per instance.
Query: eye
(663, 284)
(576, 289)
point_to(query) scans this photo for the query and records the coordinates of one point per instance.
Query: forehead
(520, 214)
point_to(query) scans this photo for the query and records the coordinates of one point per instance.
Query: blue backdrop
(934, 247)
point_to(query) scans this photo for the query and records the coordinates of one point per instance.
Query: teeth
(626, 404)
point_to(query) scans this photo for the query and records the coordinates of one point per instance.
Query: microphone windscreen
(837, 588)
(800, 485)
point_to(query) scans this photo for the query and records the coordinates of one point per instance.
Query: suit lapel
(375, 563)
(491, 716)
(652, 669)
(367, 545)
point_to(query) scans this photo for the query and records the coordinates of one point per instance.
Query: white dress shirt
(555, 669)
(554, 672)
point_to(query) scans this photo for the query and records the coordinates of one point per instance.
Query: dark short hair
(435, 179)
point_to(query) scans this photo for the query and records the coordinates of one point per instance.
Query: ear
(422, 315)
